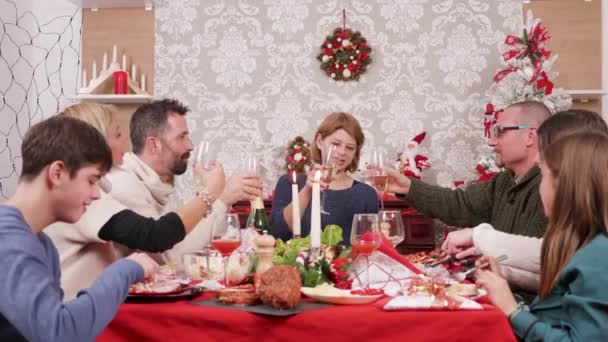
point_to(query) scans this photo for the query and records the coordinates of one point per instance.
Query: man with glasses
(510, 201)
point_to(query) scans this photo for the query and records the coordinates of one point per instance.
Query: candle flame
(318, 176)
(293, 177)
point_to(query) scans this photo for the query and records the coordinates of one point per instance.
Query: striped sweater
(508, 206)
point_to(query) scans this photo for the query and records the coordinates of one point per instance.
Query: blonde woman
(83, 246)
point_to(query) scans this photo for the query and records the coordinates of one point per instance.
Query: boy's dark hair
(150, 119)
(60, 138)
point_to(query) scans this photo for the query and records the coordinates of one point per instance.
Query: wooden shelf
(147, 4)
(111, 98)
(584, 95)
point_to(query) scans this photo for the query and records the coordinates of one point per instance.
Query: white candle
(114, 54)
(94, 70)
(134, 73)
(124, 62)
(315, 214)
(143, 82)
(84, 78)
(105, 62)
(295, 207)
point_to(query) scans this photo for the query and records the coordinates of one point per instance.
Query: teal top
(577, 309)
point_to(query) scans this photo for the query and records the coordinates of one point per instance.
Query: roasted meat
(280, 286)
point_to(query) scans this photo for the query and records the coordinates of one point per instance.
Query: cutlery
(463, 275)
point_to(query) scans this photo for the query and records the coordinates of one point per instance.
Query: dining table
(181, 320)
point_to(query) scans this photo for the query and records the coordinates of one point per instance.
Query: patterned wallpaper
(39, 63)
(248, 71)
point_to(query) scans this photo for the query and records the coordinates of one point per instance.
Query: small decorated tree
(298, 155)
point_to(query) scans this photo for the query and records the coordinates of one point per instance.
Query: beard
(180, 164)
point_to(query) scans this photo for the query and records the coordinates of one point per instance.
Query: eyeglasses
(498, 130)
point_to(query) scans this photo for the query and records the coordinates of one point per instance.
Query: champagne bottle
(257, 216)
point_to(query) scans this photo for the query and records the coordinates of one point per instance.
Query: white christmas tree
(527, 76)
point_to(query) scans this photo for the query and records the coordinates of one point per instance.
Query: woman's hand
(310, 177)
(498, 289)
(246, 186)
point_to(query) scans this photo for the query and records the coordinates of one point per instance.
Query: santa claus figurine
(411, 163)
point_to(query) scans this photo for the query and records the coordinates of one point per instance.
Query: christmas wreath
(298, 155)
(345, 55)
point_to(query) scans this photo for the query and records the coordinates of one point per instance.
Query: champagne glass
(365, 237)
(379, 178)
(203, 154)
(226, 238)
(328, 171)
(391, 225)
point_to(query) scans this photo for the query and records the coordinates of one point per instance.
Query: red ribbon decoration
(544, 82)
(503, 73)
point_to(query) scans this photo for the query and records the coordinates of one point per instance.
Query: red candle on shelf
(120, 82)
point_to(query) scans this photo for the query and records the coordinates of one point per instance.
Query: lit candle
(134, 73)
(84, 78)
(295, 207)
(105, 62)
(315, 215)
(143, 82)
(114, 54)
(94, 71)
(124, 62)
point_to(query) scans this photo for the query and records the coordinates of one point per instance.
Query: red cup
(120, 82)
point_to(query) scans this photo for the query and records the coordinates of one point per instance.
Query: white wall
(39, 63)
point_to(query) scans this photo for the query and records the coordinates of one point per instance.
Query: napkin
(425, 302)
(388, 269)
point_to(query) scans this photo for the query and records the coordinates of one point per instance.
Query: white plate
(334, 298)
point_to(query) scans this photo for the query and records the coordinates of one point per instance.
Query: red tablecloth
(181, 321)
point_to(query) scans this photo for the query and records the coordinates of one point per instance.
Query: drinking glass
(365, 237)
(203, 154)
(391, 225)
(253, 164)
(328, 171)
(379, 178)
(226, 238)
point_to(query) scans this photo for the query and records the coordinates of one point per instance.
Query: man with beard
(510, 201)
(161, 148)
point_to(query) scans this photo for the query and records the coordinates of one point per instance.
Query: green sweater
(510, 207)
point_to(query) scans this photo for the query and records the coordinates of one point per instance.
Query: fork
(463, 275)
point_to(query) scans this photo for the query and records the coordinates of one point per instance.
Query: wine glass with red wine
(226, 238)
(365, 237)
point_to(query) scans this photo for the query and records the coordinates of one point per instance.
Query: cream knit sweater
(522, 268)
(140, 188)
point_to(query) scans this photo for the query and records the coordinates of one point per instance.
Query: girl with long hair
(573, 299)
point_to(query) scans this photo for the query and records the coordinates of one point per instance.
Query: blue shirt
(31, 299)
(341, 204)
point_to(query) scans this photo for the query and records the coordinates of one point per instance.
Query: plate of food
(164, 283)
(328, 294)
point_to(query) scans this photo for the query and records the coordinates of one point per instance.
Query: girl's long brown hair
(579, 212)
